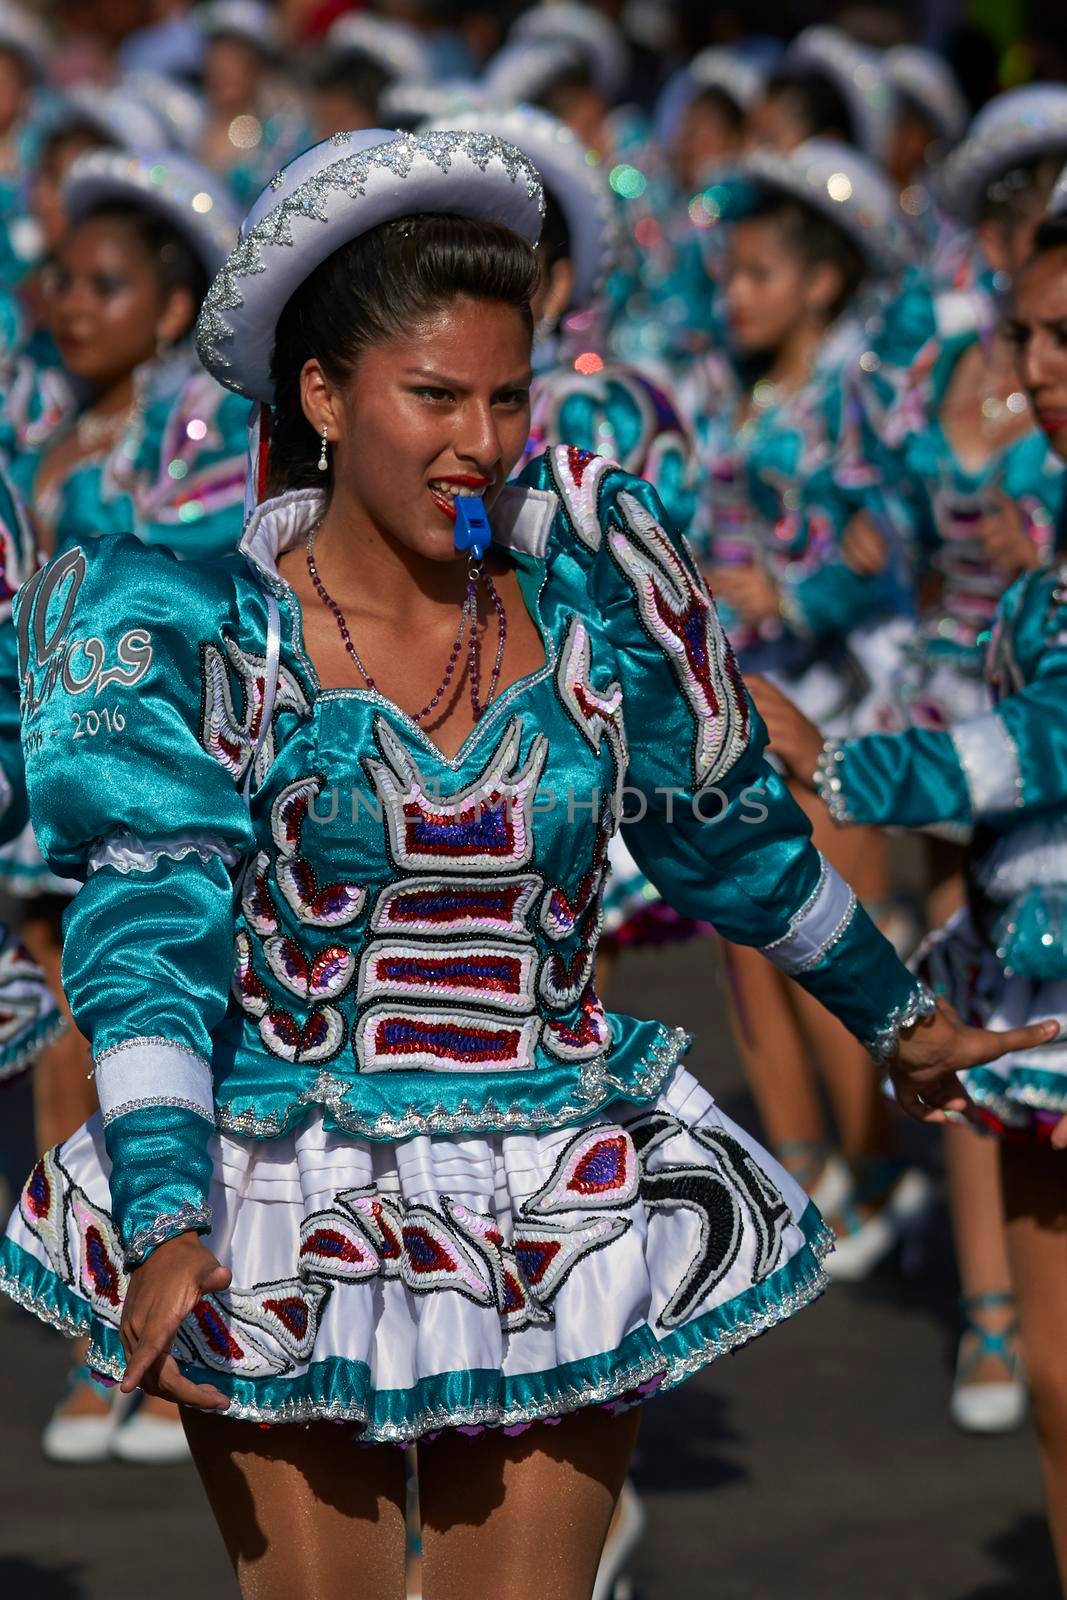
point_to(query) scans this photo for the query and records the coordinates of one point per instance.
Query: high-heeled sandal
(999, 1407)
(903, 1196)
(821, 1172)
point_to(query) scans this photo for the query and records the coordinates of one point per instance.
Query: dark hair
(1051, 235)
(555, 241)
(351, 73)
(1014, 196)
(176, 263)
(814, 238)
(715, 99)
(817, 103)
(373, 289)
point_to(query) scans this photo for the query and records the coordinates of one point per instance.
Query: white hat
(24, 35)
(728, 72)
(1014, 129)
(409, 105)
(331, 194)
(393, 46)
(858, 76)
(116, 115)
(579, 188)
(596, 39)
(250, 20)
(838, 181)
(179, 108)
(525, 68)
(193, 200)
(927, 79)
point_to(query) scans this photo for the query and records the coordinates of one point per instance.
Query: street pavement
(817, 1464)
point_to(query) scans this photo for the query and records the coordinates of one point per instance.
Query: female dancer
(448, 1189)
(1004, 773)
(158, 450)
(976, 493)
(814, 238)
(254, 121)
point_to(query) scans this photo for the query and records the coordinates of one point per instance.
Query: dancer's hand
(747, 590)
(1006, 541)
(795, 740)
(162, 1292)
(863, 548)
(935, 1049)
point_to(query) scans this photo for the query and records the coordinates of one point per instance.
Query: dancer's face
(1039, 330)
(771, 292)
(445, 407)
(108, 311)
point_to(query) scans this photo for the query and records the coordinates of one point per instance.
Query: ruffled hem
(440, 1283)
(336, 1390)
(1019, 1095)
(18, 1057)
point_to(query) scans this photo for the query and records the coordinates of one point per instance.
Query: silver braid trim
(882, 1045)
(828, 780)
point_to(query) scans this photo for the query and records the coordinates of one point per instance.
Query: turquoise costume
(939, 500)
(450, 1186)
(176, 478)
(770, 498)
(30, 1020)
(1002, 962)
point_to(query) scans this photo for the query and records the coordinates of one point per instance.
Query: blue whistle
(473, 532)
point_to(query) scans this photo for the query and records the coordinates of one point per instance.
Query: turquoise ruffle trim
(339, 1390)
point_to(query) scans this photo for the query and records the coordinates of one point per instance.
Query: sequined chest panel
(407, 913)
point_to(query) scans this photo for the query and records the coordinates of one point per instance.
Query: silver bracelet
(827, 780)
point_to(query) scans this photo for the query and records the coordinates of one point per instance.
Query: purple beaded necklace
(468, 621)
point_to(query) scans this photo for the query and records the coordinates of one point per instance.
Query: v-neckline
(532, 575)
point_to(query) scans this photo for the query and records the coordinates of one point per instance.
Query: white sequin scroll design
(228, 735)
(597, 713)
(675, 610)
(483, 827)
(578, 475)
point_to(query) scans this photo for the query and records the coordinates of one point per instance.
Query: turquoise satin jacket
(292, 899)
(1004, 772)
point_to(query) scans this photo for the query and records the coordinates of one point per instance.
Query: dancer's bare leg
(524, 1517)
(864, 1120)
(1035, 1201)
(774, 1056)
(972, 1167)
(304, 1511)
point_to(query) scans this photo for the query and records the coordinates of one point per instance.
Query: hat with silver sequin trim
(728, 72)
(929, 82)
(23, 35)
(858, 76)
(840, 183)
(333, 193)
(592, 36)
(579, 188)
(393, 46)
(193, 200)
(1016, 128)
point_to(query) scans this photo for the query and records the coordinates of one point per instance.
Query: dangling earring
(323, 462)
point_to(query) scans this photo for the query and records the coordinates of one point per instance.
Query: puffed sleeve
(125, 794)
(715, 828)
(1011, 758)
